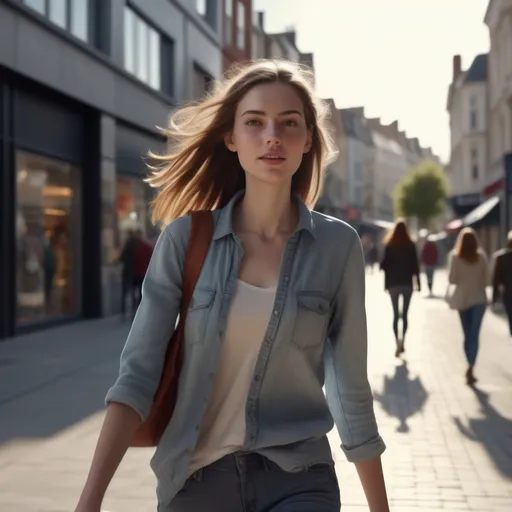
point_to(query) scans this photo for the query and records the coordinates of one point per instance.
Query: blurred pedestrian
(502, 279)
(141, 258)
(373, 256)
(429, 261)
(249, 431)
(400, 266)
(127, 260)
(468, 271)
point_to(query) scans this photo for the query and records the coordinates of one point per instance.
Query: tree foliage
(422, 193)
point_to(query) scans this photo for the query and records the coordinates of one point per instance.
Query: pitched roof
(355, 125)
(478, 70)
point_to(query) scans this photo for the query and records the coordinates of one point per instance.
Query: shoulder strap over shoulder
(200, 237)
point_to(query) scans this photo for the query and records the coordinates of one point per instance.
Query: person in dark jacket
(400, 265)
(502, 279)
(127, 260)
(143, 251)
(428, 259)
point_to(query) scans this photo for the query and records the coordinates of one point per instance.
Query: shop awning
(380, 223)
(453, 225)
(437, 237)
(482, 211)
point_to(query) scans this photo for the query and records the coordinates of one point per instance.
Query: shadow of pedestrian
(493, 431)
(402, 397)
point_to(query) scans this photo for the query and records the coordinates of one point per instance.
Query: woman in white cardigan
(469, 273)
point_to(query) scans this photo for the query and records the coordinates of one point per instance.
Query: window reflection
(133, 210)
(37, 5)
(79, 19)
(47, 238)
(58, 12)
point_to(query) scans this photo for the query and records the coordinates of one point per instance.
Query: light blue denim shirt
(316, 335)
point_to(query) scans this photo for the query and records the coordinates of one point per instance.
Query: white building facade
(467, 108)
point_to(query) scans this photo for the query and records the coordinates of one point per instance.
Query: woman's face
(270, 133)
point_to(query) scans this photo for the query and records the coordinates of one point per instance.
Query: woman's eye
(253, 122)
(291, 122)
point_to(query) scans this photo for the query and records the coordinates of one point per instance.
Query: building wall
(390, 166)
(469, 125)
(75, 131)
(499, 21)
(232, 50)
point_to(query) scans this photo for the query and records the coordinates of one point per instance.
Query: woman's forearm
(119, 426)
(372, 480)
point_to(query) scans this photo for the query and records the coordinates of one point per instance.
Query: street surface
(449, 447)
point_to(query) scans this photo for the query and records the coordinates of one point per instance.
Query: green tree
(422, 193)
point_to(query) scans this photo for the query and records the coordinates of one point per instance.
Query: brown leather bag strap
(200, 237)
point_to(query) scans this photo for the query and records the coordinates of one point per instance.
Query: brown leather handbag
(150, 431)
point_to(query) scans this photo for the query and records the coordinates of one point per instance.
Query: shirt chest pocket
(311, 320)
(198, 313)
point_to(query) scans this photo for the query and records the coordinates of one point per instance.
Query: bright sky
(392, 56)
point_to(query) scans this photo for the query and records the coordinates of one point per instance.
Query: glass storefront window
(133, 210)
(47, 239)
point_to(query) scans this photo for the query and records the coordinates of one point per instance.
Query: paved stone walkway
(449, 447)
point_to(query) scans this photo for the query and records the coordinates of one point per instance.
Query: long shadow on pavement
(402, 397)
(53, 380)
(494, 431)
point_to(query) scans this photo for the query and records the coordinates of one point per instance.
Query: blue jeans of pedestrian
(252, 483)
(471, 320)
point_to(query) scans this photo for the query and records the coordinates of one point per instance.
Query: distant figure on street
(400, 266)
(141, 258)
(468, 271)
(429, 261)
(373, 256)
(127, 260)
(502, 279)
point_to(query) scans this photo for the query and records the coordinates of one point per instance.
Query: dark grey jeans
(252, 483)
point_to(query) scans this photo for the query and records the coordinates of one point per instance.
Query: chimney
(261, 20)
(457, 66)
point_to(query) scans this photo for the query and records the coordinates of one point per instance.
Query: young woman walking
(278, 311)
(401, 267)
(469, 272)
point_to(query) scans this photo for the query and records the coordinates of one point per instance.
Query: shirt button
(253, 437)
(258, 377)
(286, 279)
(276, 312)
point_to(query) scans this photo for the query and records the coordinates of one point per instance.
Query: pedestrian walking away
(468, 271)
(400, 266)
(142, 252)
(502, 279)
(127, 260)
(429, 260)
(277, 313)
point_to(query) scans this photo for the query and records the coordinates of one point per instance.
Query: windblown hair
(198, 172)
(467, 247)
(398, 236)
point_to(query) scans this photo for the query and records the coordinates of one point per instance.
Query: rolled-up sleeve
(347, 388)
(143, 355)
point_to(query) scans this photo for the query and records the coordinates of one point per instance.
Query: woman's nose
(272, 134)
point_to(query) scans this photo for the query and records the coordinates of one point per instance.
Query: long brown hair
(199, 172)
(467, 247)
(398, 236)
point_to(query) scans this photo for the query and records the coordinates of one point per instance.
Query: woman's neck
(266, 212)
